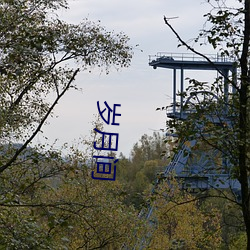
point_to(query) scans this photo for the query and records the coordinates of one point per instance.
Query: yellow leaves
(92, 214)
(188, 144)
(239, 242)
(181, 223)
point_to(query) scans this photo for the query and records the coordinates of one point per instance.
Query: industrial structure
(196, 169)
(200, 172)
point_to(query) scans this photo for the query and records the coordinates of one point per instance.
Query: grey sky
(139, 89)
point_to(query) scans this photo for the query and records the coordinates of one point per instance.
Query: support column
(182, 90)
(226, 90)
(234, 78)
(226, 86)
(174, 91)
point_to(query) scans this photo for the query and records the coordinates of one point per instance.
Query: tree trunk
(244, 120)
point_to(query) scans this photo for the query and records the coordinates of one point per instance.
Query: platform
(190, 61)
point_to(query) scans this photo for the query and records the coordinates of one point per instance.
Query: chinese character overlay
(105, 168)
(110, 136)
(103, 165)
(109, 111)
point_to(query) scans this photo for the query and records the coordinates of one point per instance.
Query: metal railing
(178, 109)
(190, 57)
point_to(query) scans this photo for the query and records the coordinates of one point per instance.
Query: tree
(92, 217)
(37, 49)
(50, 201)
(40, 57)
(138, 172)
(68, 210)
(180, 221)
(229, 34)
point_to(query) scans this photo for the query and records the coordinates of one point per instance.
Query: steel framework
(200, 172)
(195, 169)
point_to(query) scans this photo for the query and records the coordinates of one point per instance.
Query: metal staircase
(179, 159)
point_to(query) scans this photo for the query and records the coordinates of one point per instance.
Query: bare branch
(8, 164)
(197, 52)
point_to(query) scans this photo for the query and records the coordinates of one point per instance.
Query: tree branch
(197, 52)
(8, 164)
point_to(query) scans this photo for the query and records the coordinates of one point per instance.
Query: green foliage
(180, 222)
(225, 27)
(232, 224)
(139, 172)
(47, 201)
(224, 123)
(239, 242)
(37, 49)
(53, 203)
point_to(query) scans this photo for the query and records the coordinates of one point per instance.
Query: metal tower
(201, 171)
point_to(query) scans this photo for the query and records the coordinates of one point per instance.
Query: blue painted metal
(190, 61)
(200, 172)
(203, 172)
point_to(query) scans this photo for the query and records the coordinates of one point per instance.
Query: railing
(190, 57)
(177, 109)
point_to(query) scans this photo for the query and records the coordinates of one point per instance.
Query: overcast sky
(139, 89)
